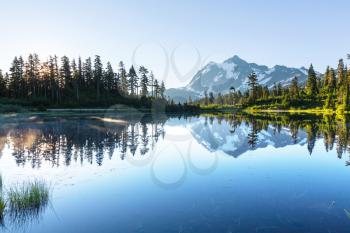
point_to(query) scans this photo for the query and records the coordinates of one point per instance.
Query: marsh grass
(0, 184)
(28, 196)
(2, 203)
(2, 207)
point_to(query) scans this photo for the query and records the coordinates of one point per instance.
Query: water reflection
(81, 140)
(237, 133)
(244, 195)
(61, 140)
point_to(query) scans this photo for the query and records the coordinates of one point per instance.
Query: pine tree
(341, 74)
(87, 73)
(332, 81)
(252, 84)
(109, 77)
(206, 99)
(6, 81)
(162, 90)
(342, 83)
(326, 78)
(65, 73)
(3, 90)
(151, 83)
(156, 89)
(14, 84)
(133, 81)
(211, 97)
(81, 82)
(144, 81)
(123, 79)
(294, 88)
(75, 79)
(98, 75)
(311, 84)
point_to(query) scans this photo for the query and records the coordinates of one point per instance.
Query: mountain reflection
(84, 139)
(281, 130)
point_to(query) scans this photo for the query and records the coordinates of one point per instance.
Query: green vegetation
(28, 196)
(2, 202)
(33, 84)
(327, 93)
(24, 201)
(334, 129)
(2, 208)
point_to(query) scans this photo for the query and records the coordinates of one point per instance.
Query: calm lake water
(143, 173)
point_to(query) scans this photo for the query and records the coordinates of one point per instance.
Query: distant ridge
(233, 72)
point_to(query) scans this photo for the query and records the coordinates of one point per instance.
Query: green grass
(2, 207)
(30, 195)
(2, 201)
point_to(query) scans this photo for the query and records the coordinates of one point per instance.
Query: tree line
(328, 91)
(64, 81)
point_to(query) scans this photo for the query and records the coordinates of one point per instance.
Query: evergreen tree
(162, 90)
(81, 82)
(211, 97)
(341, 74)
(294, 88)
(206, 99)
(326, 78)
(65, 73)
(123, 79)
(311, 84)
(151, 83)
(56, 84)
(156, 89)
(109, 77)
(133, 81)
(252, 84)
(98, 75)
(332, 81)
(144, 81)
(75, 79)
(14, 79)
(342, 83)
(3, 90)
(87, 73)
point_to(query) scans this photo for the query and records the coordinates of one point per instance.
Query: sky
(175, 39)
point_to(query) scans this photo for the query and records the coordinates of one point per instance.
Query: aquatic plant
(2, 208)
(2, 202)
(28, 196)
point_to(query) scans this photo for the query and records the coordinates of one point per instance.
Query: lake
(135, 172)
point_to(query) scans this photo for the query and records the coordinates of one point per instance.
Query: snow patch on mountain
(233, 72)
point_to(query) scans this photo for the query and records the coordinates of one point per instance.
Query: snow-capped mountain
(219, 77)
(220, 136)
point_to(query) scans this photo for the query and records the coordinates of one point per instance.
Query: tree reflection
(334, 129)
(92, 140)
(84, 140)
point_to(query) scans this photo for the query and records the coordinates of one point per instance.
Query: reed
(29, 195)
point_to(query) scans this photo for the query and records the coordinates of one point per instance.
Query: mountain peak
(235, 59)
(218, 77)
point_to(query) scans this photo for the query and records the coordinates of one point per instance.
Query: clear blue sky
(293, 33)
